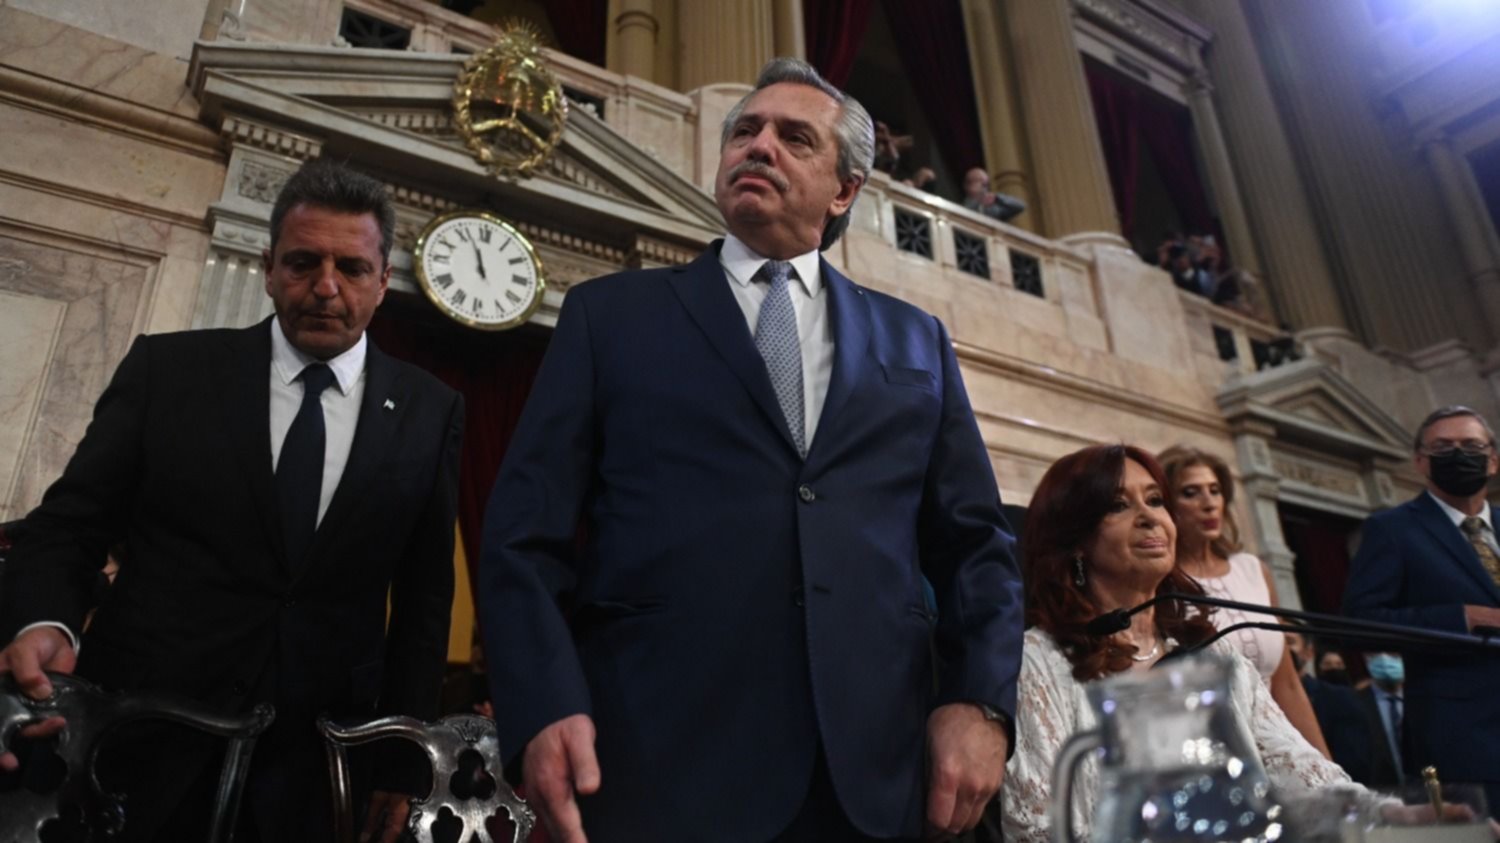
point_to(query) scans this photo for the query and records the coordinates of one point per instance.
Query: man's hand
(386, 817)
(1481, 616)
(560, 763)
(966, 763)
(33, 652)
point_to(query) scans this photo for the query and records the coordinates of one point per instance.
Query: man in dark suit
(1384, 706)
(1354, 737)
(767, 459)
(1433, 562)
(267, 488)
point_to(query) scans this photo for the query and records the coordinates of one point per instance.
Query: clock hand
(478, 256)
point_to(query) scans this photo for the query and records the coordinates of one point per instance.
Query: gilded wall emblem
(507, 105)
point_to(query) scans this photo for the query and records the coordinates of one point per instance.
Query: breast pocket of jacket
(910, 377)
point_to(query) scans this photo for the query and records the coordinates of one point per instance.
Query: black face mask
(1460, 474)
(1335, 677)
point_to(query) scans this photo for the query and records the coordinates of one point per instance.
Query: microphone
(1118, 620)
(1315, 623)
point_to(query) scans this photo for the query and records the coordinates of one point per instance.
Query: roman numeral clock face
(479, 270)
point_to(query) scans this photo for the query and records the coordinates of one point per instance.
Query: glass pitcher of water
(1175, 763)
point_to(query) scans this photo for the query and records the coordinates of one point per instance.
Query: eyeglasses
(1446, 447)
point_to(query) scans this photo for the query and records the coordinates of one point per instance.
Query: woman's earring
(1078, 578)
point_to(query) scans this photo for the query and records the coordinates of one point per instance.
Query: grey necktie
(776, 340)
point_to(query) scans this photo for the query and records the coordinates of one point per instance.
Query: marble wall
(67, 311)
(167, 27)
(103, 185)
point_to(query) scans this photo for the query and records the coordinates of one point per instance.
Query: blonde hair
(1179, 458)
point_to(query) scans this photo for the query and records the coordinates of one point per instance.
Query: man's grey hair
(325, 183)
(1451, 411)
(854, 131)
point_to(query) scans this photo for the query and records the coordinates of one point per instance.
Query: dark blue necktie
(299, 471)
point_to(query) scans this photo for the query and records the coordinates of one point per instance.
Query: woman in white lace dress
(1100, 536)
(1208, 549)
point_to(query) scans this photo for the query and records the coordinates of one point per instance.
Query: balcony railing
(1240, 344)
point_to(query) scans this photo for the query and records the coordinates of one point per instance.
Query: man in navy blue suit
(1433, 562)
(767, 460)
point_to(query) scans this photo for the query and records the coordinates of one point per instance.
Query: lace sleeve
(1297, 770)
(1047, 714)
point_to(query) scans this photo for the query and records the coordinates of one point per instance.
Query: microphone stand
(1379, 640)
(1315, 624)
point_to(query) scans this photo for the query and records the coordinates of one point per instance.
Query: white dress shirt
(340, 414)
(809, 302)
(1458, 519)
(340, 406)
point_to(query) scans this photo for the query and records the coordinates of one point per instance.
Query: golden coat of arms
(507, 105)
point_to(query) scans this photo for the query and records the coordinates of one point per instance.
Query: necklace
(1155, 648)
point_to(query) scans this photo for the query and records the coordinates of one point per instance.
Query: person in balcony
(979, 197)
(1208, 550)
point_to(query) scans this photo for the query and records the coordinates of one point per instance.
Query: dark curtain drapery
(580, 26)
(935, 54)
(1130, 116)
(1167, 130)
(494, 373)
(1321, 545)
(834, 30)
(1117, 113)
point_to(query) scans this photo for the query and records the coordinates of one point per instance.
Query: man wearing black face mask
(1434, 562)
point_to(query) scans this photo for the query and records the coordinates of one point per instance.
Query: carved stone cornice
(649, 251)
(572, 243)
(271, 139)
(434, 123)
(1310, 405)
(1177, 41)
(79, 105)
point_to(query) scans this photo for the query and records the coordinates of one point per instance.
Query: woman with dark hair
(1208, 550)
(1100, 536)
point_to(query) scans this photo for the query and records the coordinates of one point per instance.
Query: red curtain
(1167, 129)
(935, 53)
(1129, 115)
(834, 30)
(580, 26)
(1117, 113)
(494, 372)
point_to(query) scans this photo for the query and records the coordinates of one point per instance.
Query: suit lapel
(704, 292)
(849, 311)
(247, 421)
(373, 433)
(1436, 522)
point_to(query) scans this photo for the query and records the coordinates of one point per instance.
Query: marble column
(1261, 487)
(1400, 274)
(999, 118)
(725, 41)
(1278, 214)
(1072, 182)
(634, 31)
(790, 35)
(1470, 221)
(1221, 179)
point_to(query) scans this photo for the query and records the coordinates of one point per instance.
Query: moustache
(756, 168)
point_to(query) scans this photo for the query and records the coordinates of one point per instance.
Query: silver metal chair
(461, 747)
(80, 800)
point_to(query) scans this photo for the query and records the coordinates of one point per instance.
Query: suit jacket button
(239, 688)
(289, 603)
(805, 492)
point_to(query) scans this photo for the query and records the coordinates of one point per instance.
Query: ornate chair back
(80, 806)
(466, 776)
